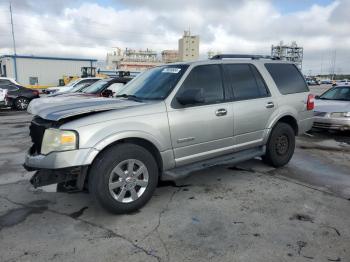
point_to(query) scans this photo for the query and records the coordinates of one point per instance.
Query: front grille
(322, 125)
(36, 130)
(327, 125)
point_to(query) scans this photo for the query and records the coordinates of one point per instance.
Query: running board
(229, 159)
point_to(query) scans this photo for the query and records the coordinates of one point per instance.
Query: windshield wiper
(132, 97)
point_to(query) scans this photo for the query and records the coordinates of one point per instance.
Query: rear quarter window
(287, 77)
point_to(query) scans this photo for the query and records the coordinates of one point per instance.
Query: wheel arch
(286, 118)
(290, 120)
(143, 142)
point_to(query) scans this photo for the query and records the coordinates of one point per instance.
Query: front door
(202, 130)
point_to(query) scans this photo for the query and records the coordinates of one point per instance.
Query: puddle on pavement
(18, 215)
(316, 171)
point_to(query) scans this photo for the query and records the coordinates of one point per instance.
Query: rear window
(287, 78)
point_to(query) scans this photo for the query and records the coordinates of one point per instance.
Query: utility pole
(13, 32)
(14, 43)
(333, 63)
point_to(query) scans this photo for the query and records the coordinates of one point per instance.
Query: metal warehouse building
(41, 71)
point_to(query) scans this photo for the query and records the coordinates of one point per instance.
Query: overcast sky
(90, 28)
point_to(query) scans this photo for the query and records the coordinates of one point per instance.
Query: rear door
(253, 104)
(203, 130)
(292, 87)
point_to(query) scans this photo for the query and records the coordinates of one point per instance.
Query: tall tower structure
(292, 52)
(188, 47)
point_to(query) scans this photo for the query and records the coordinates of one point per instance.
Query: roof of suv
(227, 58)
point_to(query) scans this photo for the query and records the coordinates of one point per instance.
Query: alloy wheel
(22, 103)
(128, 180)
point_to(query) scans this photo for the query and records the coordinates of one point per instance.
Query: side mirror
(107, 93)
(317, 97)
(191, 97)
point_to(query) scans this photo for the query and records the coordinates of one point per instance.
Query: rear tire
(123, 178)
(21, 103)
(280, 146)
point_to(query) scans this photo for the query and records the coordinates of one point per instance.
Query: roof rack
(253, 57)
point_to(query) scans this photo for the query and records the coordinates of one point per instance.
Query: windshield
(338, 93)
(73, 82)
(81, 86)
(95, 87)
(155, 83)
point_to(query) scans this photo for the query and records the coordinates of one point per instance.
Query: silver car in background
(332, 109)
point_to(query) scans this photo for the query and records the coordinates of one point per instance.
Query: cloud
(90, 29)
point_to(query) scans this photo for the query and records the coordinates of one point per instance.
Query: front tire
(280, 146)
(123, 178)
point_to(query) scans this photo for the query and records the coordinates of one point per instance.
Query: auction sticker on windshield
(171, 70)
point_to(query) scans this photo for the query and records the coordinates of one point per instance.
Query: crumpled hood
(57, 108)
(329, 106)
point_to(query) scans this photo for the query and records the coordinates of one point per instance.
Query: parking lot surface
(250, 212)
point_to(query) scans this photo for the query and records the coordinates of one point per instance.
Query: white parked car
(72, 86)
(3, 93)
(343, 82)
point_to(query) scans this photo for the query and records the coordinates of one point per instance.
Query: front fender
(128, 134)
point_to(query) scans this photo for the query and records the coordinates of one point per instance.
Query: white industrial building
(41, 71)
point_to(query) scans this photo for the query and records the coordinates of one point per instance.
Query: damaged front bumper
(59, 167)
(46, 177)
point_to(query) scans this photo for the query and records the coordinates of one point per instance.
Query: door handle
(270, 105)
(221, 112)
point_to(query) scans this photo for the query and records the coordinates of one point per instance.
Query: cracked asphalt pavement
(250, 212)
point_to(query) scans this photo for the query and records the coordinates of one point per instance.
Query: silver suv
(167, 122)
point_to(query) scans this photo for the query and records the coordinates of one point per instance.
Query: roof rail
(253, 57)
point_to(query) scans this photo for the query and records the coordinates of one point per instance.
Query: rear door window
(245, 81)
(287, 77)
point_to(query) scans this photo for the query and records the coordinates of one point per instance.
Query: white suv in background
(73, 85)
(3, 93)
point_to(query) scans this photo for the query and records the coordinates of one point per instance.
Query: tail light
(310, 105)
(35, 92)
